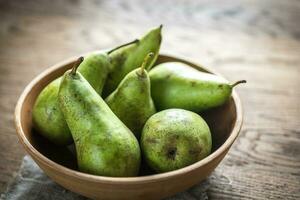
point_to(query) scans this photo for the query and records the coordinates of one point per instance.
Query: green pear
(132, 101)
(130, 57)
(104, 145)
(46, 115)
(175, 138)
(178, 85)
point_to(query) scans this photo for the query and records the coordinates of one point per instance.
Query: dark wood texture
(254, 40)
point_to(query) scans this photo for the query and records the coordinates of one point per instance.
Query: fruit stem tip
(238, 82)
(76, 64)
(123, 45)
(145, 62)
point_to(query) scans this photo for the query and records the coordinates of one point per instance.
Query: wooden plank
(254, 40)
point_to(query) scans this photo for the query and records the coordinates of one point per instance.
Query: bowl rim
(122, 180)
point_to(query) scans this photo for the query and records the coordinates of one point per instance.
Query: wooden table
(254, 40)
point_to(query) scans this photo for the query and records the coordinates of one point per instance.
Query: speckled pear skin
(104, 145)
(130, 57)
(95, 69)
(175, 138)
(132, 101)
(46, 115)
(177, 85)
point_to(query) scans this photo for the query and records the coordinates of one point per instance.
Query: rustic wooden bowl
(60, 165)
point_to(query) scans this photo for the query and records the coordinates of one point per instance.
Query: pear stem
(145, 62)
(149, 67)
(76, 65)
(238, 82)
(123, 45)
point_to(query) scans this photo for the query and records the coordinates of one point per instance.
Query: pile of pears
(119, 110)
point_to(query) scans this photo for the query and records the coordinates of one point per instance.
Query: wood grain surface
(254, 40)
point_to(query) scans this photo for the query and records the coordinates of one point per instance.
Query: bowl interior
(221, 120)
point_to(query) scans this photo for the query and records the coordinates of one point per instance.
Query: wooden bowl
(60, 165)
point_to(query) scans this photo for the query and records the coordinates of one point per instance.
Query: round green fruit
(175, 138)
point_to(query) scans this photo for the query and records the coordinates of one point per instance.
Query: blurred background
(254, 40)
